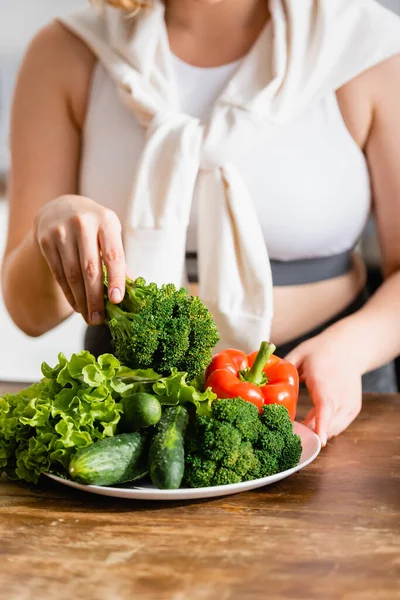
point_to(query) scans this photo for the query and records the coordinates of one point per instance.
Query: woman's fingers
(53, 259)
(342, 420)
(112, 251)
(296, 356)
(69, 255)
(339, 423)
(75, 235)
(92, 272)
(324, 411)
(66, 245)
(309, 420)
(325, 419)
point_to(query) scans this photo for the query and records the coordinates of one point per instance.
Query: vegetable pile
(74, 405)
(77, 403)
(163, 408)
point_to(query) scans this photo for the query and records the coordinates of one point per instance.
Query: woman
(123, 118)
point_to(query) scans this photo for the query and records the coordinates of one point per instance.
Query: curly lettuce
(174, 389)
(75, 404)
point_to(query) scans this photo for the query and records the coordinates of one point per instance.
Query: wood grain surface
(332, 531)
(3, 186)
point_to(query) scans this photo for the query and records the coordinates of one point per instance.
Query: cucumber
(140, 410)
(110, 461)
(167, 449)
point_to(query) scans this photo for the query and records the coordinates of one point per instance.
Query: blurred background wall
(20, 356)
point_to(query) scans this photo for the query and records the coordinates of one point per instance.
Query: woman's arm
(374, 331)
(52, 258)
(45, 142)
(333, 362)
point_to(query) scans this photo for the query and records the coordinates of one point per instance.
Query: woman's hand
(75, 235)
(332, 375)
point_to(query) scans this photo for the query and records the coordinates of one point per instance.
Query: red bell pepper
(260, 378)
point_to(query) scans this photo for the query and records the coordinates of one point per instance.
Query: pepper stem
(256, 373)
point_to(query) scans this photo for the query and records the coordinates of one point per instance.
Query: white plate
(311, 448)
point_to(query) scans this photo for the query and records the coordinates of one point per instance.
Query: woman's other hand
(332, 375)
(75, 235)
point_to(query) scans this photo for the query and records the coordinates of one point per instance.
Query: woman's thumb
(296, 356)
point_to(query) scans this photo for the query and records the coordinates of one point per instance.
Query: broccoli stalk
(136, 295)
(161, 328)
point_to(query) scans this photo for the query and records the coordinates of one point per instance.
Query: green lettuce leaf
(75, 404)
(174, 389)
(132, 381)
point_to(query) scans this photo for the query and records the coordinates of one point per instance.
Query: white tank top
(310, 189)
(278, 176)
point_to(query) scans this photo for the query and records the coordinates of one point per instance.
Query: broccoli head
(161, 328)
(237, 444)
(222, 454)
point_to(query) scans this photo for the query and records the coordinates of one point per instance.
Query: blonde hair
(130, 6)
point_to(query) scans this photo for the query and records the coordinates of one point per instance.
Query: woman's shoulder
(59, 60)
(380, 82)
(374, 91)
(384, 82)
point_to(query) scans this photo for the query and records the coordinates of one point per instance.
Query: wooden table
(332, 531)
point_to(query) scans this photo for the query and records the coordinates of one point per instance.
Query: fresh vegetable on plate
(81, 401)
(234, 444)
(75, 404)
(261, 378)
(111, 461)
(140, 410)
(238, 444)
(167, 450)
(164, 411)
(161, 328)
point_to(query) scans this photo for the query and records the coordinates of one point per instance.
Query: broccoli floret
(241, 414)
(222, 442)
(237, 444)
(192, 445)
(291, 453)
(199, 471)
(276, 417)
(248, 464)
(268, 464)
(278, 438)
(203, 336)
(224, 476)
(161, 328)
(271, 442)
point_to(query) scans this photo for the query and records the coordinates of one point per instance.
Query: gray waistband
(295, 272)
(310, 270)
